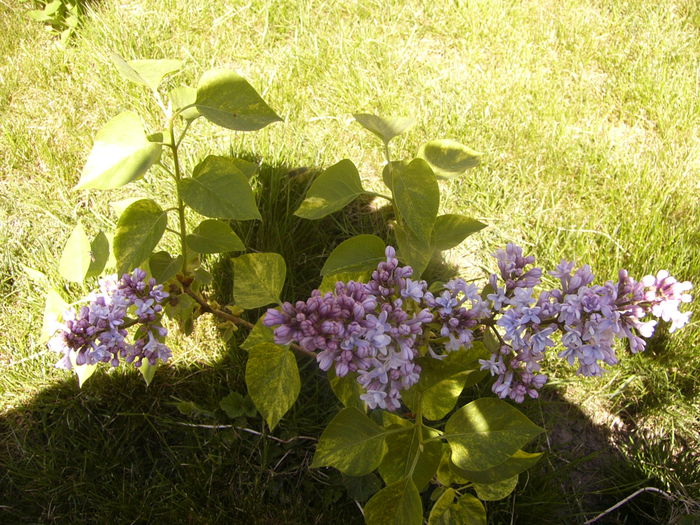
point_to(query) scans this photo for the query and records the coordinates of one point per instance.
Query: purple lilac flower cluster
(588, 317)
(98, 331)
(372, 329)
(377, 328)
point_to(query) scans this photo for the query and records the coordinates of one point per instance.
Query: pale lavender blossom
(375, 329)
(96, 333)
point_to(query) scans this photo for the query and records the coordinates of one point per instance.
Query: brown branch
(207, 308)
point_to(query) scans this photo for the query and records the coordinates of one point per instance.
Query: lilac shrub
(379, 328)
(98, 332)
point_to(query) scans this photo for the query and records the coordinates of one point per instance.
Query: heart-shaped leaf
(82, 371)
(451, 229)
(76, 257)
(442, 381)
(183, 99)
(273, 382)
(416, 197)
(53, 311)
(147, 72)
(517, 463)
(332, 190)
(401, 457)
(219, 189)
(487, 432)
(467, 510)
(413, 250)
(121, 153)
(139, 229)
(259, 334)
(228, 100)
(497, 490)
(448, 158)
(352, 443)
(164, 267)
(385, 128)
(214, 236)
(396, 504)
(347, 390)
(99, 254)
(148, 371)
(258, 279)
(356, 254)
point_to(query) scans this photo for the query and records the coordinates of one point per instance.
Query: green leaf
(272, 378)
(467, 510)
(258, 279)
(121, 153)
(446, 475)
(441, 513)
(82, 371)
(148, 371)
(228, 100)
(39, 15)
(497, 490)
(329, 281)
(391, 170)
(451, 229)
(347, 390)
(416, 197)
(259, 334)
(517, 463)
(487, 432)
(332, 190)
(99, 255)
(182, 312)
(356, 254)
(154, 71)
(76, 257)
(361, 488)
(413, 250)
(164, 267)
(182, 99)
(385, 128)
(389, 419)
(233, 405)
(352, 443)
(448, 158)
(119, 206)
(53, 311)
(139, 229)
(219, 189)
(149, 72)
(400, 457)
(34, 274)
(396, 504)
(190, 408)
(214, 236)
(442, 381)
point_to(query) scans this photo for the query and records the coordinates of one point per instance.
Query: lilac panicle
(372, 329)
(97, 332)
(376, 329)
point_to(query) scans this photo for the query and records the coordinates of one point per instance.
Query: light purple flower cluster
(376, 329)
(457, 322)
(98, 331)
(589, 318)
(372, 329)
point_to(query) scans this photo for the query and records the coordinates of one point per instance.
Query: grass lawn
(588, 114)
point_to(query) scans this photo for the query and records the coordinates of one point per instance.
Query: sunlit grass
(588, 115)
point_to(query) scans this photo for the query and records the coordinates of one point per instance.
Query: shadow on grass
(118, 452)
